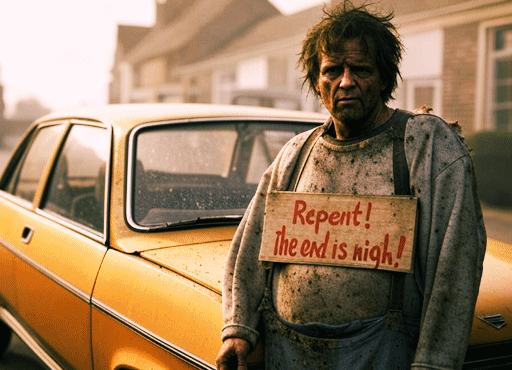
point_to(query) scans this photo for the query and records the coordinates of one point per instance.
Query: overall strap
(402, 187)
(304, 153)
(400, 168)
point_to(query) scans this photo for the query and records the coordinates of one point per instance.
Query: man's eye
(362, 71)
(332, 71)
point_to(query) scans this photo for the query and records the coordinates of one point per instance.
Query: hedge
(492, 157)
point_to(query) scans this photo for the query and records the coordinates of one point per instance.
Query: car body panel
(140, 242)
(173, 311)
(43, 274)
(7, 275)
(202, 263)
(136, 352)
(495, 295)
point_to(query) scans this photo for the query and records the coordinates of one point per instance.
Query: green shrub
(492, 156)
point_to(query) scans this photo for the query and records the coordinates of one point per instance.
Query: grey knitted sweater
(441, 294)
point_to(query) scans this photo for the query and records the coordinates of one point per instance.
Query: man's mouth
(347, 100)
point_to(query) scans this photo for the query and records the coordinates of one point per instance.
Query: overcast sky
(61, 51)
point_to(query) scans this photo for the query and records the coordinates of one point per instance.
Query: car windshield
(201, 172)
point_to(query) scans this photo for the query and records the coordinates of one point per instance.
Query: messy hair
(347, 22)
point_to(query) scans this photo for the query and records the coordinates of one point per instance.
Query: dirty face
(350, 87)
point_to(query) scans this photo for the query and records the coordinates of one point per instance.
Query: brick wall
(459, 75)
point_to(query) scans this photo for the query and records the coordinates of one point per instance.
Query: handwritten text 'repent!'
(347, 230)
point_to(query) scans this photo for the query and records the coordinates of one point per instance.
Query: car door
(17, 192)
(61, 243)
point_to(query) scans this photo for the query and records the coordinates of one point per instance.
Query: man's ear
(384, 84)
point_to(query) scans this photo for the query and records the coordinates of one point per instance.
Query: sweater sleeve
(244, 277)
(451, 242)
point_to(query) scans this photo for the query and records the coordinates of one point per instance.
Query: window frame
(101, 237)
(494, 56)
(485, 102)
(18, 159)
(437, 92)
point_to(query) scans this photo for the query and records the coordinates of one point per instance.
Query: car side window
(77, 187)
(26, 175)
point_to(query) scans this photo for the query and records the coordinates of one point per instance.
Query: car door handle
(26, 235)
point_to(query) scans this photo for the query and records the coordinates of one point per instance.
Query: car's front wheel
(5, 337)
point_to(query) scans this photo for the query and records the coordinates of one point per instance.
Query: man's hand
(233, 354)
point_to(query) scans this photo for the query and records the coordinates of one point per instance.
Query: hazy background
(49, 48)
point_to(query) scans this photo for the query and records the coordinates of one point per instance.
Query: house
(185, 31)
(458, 57)
(127, 38)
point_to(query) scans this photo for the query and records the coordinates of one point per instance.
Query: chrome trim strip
(49, 274)
(229, 119)
(159, 341)
(27, 338)
(72, 225)
(17, 200)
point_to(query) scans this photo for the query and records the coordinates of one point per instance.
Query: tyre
(5, 337)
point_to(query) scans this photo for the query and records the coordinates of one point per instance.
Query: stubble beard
(353, 118)
(355, 121)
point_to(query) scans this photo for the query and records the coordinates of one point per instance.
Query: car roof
(127, 116)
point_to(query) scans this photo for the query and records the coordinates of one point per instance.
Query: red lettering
(309, 217)
(356, 213)
(343, 250)
(401, 246)
(368, 212)
(375, 255)
(334, 250)
(334, 218)
(291, 249)
(321, 217)
(283, 246)
(358, 253)
(365, 254)
(278, 246)
(342, 219)
(305, 248)
(320, 250)
(300, 207)
(386, 254)
(347, 216)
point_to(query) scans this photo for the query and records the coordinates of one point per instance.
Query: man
(332, 317)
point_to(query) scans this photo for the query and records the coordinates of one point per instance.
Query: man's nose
(347, 79)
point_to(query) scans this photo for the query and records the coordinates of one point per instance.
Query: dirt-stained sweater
(441, 294)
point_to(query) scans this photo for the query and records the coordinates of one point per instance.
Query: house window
(414, 93)
(422, 71)
(500, 62)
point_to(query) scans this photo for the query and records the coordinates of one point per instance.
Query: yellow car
(115, 224)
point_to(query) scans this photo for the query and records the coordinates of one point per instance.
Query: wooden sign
(330, 229)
